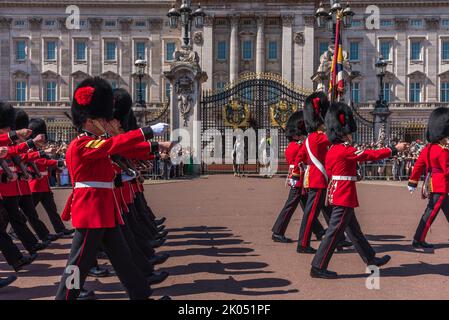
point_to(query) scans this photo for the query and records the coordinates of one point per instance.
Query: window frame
(25, 98)
(421, 53)
(245, 50)
(106, 50)
(47, 90)
(270, 42)
(413, 90)
(351, 42)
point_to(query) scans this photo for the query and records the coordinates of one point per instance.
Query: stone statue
(184, 91)
(326, 66)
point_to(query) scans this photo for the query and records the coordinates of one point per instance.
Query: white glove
(411, 189)
(159, 129)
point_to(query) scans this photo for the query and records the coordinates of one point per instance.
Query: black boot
(160, 221)
(379, 262)
(24, 261)
(157, 277)
(4, 282)
(159, 258)
(280, 238)
(99, 272)
(319, 236)
(322, 273)
(308, 250)
(86, 295)
(421, 244)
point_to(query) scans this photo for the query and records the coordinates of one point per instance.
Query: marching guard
(92, 206)
(434, 162)
(295, 132)
(341, 168)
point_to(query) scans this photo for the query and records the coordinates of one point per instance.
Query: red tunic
(319, 145)
(439, 163)
(341, 160)
(295, 158)
(88, 160)
(42, 184)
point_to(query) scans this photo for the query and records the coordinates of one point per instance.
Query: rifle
(37, 172)
(18, 162)
(7, 173)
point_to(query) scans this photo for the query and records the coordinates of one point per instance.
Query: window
(170, 50)
(386, 23)
(356, 92)
(140, 50)
(110, 51)
(110, 23)
(80, 51)
(415, 50)
(140, 24)
(445, 92)
(272, 50)
(356, 23)
(51, 50)
(50, 91)
(113, 84)
(141, 91)
(21, 89)
(445, 23)
(20, 23)
(221, 50)
(167, 91)
(354, 51)
(416, 23)
(415, 92)
(445, 50)
(50, 23)
(385, 50)
(323, 47)
(387, 92)
(220, 85)
(272, 94)
(20, 50)
(247, 52)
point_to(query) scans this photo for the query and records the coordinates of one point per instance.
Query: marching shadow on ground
(217, 237)
(408, 270)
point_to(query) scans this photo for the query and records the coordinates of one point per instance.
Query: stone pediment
(79, 74)
(49, 74)
(416, 75)
(444, 74)
(20, 74)
(110, 75)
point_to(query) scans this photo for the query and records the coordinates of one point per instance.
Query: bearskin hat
(339, 122)
(315, 109)
(93, 99)
(295, 126)
(132, 121)
(122, 107)
(22, 119)
(7, 115)
(38, 126)
(438, 126)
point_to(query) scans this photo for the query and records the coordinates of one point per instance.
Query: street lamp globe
(348, 14)
(185, 12)
(321, 16)
(199, 17)
(381, 66)
(140, 64)
(173, 16)
(336, 7)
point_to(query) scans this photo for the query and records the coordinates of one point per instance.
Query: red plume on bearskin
(315, 109)
(83, 96)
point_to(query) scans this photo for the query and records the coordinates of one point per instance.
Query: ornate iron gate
(257, 101)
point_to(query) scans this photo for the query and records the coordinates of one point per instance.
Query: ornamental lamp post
(329, 19)
(186, 16)
(141, 65)
(381, 110)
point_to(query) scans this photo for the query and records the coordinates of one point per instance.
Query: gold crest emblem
(280, 113)
(236, 115)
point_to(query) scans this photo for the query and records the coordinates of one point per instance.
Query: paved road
(221, 248)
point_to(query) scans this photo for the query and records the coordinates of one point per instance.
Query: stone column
(5, 59)
(402, 58)
(127, 59)
(432, 60)
(96, 62)
(35, 59)
(308, 48)
(234, 49)
(157, 91)
(287, 47)
(260, 45)
(207, 57)
(65, 64)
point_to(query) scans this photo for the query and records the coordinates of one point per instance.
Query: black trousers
(139, 233)
(295, 197)
(315, 203)
(9, 250)
(84, 249)
(144, 217)
(140, 258)
(18, 223)
(26, 203)
(342, 219)
(141, 196)
(437, 202)
(48, 202)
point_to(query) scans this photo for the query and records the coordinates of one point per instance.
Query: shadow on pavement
(232, 268)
